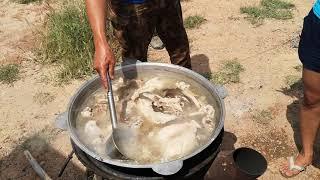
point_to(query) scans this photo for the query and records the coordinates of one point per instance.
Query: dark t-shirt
(133, 1)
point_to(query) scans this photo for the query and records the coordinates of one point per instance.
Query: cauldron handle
(222, 91)
(61, 121)
(169, 168)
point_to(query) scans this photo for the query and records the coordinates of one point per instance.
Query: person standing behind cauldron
(309, 54)
(134, 22)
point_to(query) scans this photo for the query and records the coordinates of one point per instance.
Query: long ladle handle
(112, 107)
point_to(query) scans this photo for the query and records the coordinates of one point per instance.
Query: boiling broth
(170, 118)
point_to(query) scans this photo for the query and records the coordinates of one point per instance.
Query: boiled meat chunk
(117, 84)
(130, 107)
(96, 136)
(86, 112)
(209, 112)
(92, 130)
(170, 105)
(136, 123)
(177, 140)
(166, 105)
(150, 86)
(144, 106)
(101, 98)
(100, 112)
(186, 91)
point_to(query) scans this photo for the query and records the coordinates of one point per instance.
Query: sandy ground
(28, 108)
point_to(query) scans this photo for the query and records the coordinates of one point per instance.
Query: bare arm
(104, 60)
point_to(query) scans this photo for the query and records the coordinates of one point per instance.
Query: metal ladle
(123, 138)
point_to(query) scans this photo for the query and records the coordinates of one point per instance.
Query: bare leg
(310, 112)
(309, 120)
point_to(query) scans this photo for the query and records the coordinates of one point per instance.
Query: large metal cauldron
(194, 168)
(213, 93)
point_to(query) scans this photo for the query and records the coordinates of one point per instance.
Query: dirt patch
(43, 98)
(18, 29)
(47, 153)
(273, 144)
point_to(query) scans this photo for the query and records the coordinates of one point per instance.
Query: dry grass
(291, 80)
(298, 68)
(228, 73)
(275, 9)
(27, 1)
(68, 42)
(195, 21)
(263, 117)
(43, 98)
(9, 73)
(293, 86)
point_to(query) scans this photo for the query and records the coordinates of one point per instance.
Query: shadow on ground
(200, 64)
(296, 90)
(16, 166)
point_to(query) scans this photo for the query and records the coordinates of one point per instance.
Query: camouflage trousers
(135, 24)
